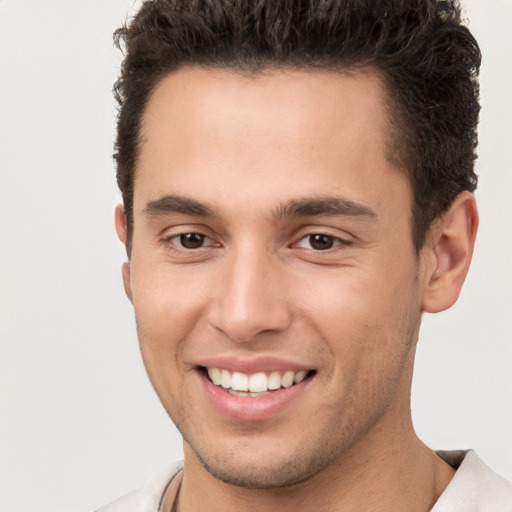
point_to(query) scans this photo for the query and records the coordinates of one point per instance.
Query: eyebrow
(324, 206)
(306, 207)
(178, 204)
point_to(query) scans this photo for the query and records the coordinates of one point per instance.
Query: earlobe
(125, 271)
(120, 222)
(450, 249)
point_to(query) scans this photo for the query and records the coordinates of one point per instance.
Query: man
(297, 184)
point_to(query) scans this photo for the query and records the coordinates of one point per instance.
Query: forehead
(296, 103)
(295, 129)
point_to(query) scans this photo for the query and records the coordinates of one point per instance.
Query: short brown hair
(428, 59)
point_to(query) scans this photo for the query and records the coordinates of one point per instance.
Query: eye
(191, 240)
(319, 242)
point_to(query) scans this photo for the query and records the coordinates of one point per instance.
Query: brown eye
(192, 240)
(321, 242)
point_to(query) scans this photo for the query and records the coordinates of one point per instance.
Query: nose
(251, 298)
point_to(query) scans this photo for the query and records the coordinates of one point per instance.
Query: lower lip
(250, 409)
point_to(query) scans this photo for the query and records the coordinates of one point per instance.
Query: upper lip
(253, 365)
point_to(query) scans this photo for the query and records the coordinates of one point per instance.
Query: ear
(448, 253)
(120, 222)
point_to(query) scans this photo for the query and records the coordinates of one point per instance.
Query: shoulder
(475, 487)
(147, 498)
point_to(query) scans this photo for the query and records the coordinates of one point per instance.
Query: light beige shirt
(474, 488)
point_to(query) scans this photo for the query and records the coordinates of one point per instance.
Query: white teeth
(287, 379)
(239, 382)
(245, 393)
(299, 376)
(225, 381)
(274, 380)
(215, 375)
(257, 384)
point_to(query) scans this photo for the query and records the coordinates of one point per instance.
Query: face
(275, 285)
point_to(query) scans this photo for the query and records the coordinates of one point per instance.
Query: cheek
(367, 326)
(356, 310)
(168, 305)
(345, 294)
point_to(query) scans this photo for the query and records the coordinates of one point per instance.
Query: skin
(244, 148)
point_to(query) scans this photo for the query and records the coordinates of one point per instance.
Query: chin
(276, 474)
(261, 470)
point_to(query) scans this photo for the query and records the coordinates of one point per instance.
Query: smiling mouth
(256, 384)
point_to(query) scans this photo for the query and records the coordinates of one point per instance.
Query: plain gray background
(79, 422)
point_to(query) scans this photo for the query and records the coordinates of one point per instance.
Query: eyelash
(176, 242)
(172, 244)
(334, 240)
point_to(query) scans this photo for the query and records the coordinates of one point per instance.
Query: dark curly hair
(428, 61)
